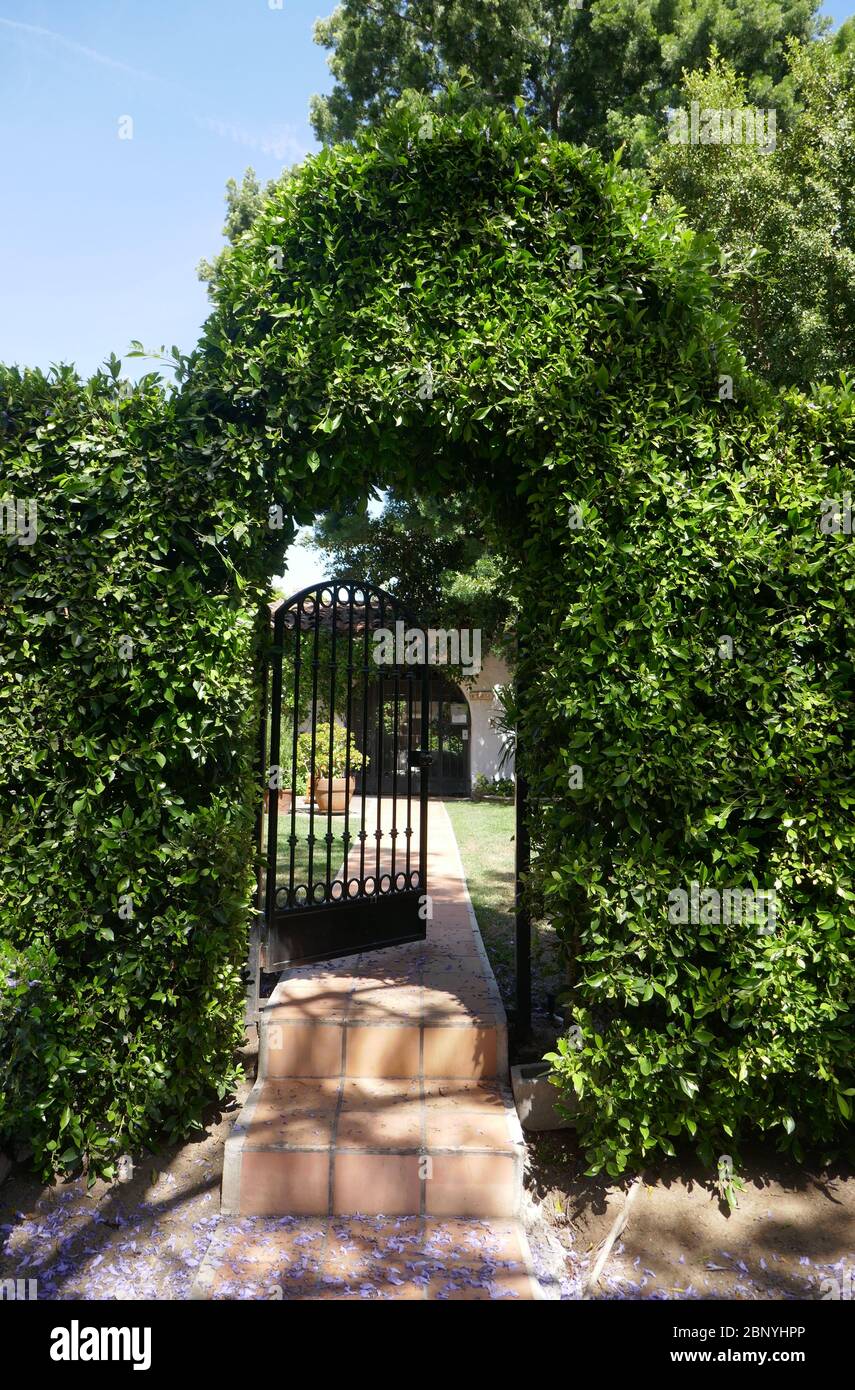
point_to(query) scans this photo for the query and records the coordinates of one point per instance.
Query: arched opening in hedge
(463, 305)
(450, 305)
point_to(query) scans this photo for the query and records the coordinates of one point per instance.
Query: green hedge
(646, 511)
(698, 668)
(576, 403)
(126, 772)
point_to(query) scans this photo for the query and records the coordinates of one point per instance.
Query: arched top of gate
(345, 605)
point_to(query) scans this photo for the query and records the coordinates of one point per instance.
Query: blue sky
(101, 236)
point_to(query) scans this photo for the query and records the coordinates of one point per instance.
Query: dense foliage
(596, 73)
(698, 670)
(686, 639)
(684, 625)
(783, 219)
(127, 633)
(430, 552)
(607, 73)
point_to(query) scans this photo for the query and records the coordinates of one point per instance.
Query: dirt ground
(793, 1229)
(142, 1239)
(146, 1238)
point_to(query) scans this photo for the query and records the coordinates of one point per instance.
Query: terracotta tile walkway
(379, 1153)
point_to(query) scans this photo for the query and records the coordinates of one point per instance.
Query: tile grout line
(423, 1180)
(423, 1122)
(339, 1103)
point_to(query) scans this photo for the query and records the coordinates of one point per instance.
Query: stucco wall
(486, 744)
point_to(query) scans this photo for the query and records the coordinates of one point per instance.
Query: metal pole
(425, 761)
(522, 846)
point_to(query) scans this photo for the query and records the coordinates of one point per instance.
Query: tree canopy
(434, 554)
(598, 72)
(784, 218)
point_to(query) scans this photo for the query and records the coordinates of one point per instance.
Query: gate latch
(418, 759)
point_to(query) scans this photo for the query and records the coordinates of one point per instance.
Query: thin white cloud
(281, 143)
(91, 54)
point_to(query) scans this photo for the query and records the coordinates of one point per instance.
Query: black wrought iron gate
(345, 854)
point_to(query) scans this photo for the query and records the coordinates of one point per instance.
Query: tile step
(329, 1025)
(346, 1146)
(467, 1051)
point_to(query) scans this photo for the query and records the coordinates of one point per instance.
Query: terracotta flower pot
(285, 797)
(332, 793)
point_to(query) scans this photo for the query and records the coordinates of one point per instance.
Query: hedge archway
(462, 304)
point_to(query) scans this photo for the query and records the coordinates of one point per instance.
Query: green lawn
(301, 849)
(485, 834)
(300, 852)
(337, 829)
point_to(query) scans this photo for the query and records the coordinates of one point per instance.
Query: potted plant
(330, 781)
(286, 795)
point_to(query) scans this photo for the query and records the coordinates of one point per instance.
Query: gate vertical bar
(409, 831)
(364, 778)
(292, 839)
(424, 779)
(379, 832)
(394, 831)
(310, 886)
(348, 720)
(329, 837)
(262, 755)
(273, 792)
